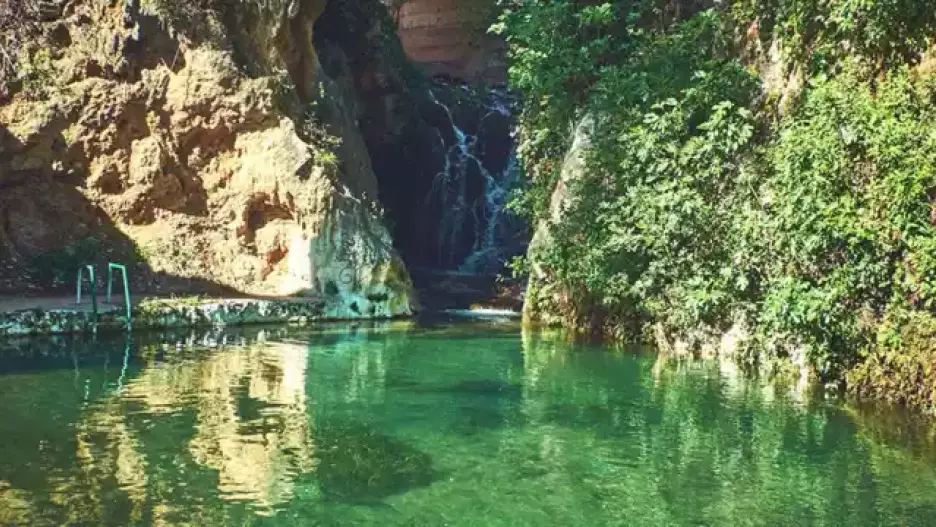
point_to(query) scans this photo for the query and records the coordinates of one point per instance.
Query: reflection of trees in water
(572, 432)
(680, 441)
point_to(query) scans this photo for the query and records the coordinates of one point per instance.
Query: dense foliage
(707, 204)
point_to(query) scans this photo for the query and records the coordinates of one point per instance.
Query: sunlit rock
(195, 145)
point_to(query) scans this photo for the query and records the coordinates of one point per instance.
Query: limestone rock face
(449, 37)
(194, 144)
(546, 301)
(428, 141)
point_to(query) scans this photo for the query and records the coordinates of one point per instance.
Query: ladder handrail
(92, 279)
(111, 268)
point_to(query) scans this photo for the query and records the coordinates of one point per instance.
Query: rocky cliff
(202, 142)
(441, 151)
(269, 148)
(548, 301)
(450, 38)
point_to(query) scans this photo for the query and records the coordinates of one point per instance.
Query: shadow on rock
(48, 227)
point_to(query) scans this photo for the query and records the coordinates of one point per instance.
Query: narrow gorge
(260, 148)
(468, 262)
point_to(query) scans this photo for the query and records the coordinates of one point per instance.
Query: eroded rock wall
(450, 38)
(416, 132)
(547, 301)
(196, 142)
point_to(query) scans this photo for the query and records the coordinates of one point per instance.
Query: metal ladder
(112, 268)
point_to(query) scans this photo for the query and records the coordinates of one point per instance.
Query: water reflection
(233, 426)
(435, 425)
(250, 413)
(676, 441)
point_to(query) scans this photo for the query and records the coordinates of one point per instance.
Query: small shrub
(880, 33)
(56, 268)
(173, 12)
(323, 143)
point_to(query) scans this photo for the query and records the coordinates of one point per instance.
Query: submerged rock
(479, 388)
(472, 420)
(358, 464)
(486, 387)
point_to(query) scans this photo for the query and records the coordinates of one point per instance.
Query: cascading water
(477, 234)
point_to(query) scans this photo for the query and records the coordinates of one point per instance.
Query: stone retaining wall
(166, 314)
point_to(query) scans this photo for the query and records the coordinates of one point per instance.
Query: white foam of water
(483, 313)
(450, 193)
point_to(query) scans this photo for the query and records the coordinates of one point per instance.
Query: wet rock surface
(439, 291)
(441, 150)
(168, 314)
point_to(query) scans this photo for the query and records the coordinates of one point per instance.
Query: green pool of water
(449, 424)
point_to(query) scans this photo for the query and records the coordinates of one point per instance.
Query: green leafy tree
(701, 207)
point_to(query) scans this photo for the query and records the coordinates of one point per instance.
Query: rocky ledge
(183, 313)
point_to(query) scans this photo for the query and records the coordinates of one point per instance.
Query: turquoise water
(444, 424)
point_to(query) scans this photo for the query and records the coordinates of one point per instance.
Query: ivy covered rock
(756, 169)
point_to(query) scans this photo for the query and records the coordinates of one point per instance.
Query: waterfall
(476, 233)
